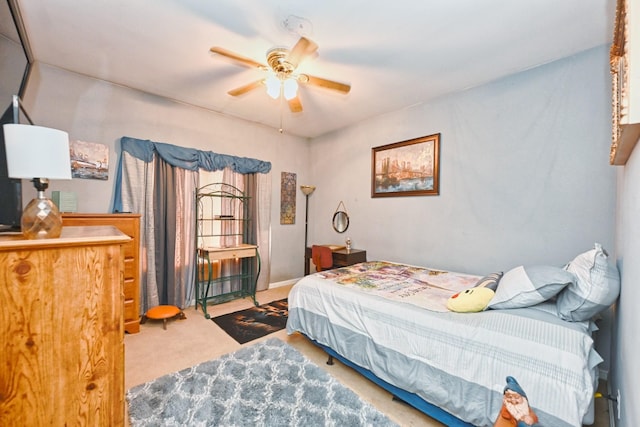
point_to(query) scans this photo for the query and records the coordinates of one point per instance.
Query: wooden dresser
(129, 224)
(61, 329)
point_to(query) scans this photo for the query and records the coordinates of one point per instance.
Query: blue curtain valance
(191, 159)
(185, 158)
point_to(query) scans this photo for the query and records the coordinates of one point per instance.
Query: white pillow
(596, 288)
(527, 286)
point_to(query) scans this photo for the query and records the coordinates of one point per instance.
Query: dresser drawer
(231, 253)
(130, 310)
(126, 226)
(130, 267)
(129, 289)
(129, 250)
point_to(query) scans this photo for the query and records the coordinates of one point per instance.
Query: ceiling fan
(282, 78)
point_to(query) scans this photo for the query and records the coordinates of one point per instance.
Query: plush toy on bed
(477, 298)
(515, 409)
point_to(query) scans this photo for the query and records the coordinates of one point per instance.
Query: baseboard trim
(283, 283)
(612, 418)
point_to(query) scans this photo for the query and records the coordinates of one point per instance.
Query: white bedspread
(457, 361)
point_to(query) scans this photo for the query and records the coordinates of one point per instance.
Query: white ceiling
(394, 53)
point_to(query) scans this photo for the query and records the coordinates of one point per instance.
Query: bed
(449, 365)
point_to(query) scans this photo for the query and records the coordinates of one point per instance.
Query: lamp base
(41, 219)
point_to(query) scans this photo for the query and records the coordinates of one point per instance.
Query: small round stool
(163, 312)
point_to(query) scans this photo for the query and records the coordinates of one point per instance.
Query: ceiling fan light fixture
(282, 81)
(290, 89)
(273, 85)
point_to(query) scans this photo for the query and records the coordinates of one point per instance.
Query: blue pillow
(596, 288)
(527, 286)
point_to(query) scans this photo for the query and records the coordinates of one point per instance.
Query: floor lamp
(306, 190)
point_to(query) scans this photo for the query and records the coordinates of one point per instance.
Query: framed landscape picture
(406, 168)
(89, 160)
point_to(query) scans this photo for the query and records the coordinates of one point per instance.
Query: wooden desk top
(348, 251)
(228, 248)
(338, 249)
(71, 236)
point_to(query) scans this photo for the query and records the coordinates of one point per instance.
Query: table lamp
(39, 154)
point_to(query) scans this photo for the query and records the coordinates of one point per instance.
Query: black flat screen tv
(10, 189)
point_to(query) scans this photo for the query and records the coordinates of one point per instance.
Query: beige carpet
(155, 352)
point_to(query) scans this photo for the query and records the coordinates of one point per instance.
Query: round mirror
(340, 221)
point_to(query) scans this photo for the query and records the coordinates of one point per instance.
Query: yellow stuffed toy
(470, 301)
(477, 298)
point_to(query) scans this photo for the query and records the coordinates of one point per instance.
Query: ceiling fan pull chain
(281, 100)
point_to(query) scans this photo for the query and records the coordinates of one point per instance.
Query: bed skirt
(412, 399)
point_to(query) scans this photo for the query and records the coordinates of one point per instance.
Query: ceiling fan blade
(327, 84)
(303, 48)
(246, 88)
(243, 60)
(295, 105)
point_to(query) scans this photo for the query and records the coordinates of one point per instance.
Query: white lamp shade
(307, 189)
(37, 152)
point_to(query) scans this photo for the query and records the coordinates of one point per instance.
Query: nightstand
(341, 258)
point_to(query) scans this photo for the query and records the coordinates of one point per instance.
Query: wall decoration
(288, 198)
(89, 160)
(407, 168)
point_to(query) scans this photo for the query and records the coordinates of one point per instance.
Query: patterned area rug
(255, 322)
(266, 384)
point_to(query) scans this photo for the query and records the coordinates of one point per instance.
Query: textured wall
(525, 177)
(95, 111)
